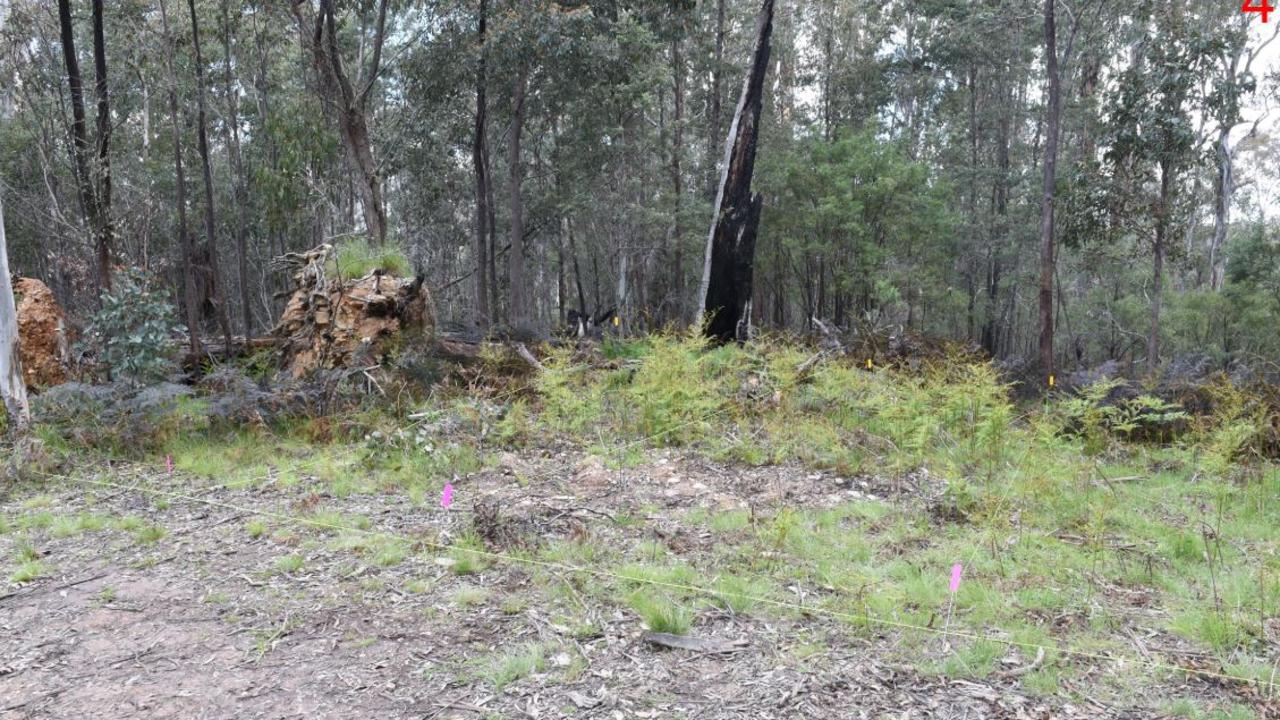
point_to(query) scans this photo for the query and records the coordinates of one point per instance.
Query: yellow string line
(866, 617)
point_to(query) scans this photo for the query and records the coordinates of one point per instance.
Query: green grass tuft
(355, 258)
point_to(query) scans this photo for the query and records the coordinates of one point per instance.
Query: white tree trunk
(12, 388)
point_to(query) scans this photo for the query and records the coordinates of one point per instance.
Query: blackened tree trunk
(211, 269)
(483, 315)
(725, 292)
(238, 182)
(1052, 119)
(517, 295)
(191, 297)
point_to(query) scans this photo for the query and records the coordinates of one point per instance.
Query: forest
(534, 158)
(639, 358)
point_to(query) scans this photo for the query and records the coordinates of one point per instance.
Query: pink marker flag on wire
(446, 497)
(168, 464)
(956, 571)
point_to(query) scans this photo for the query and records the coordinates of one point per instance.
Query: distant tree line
(1063, 183)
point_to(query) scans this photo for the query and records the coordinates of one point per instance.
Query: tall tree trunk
(677, 179)
(1224, 188)
(517, 293)
(210, 224)
(1052, 119)
(104, 235)
(992, 330)
(577, 272)
(85, 182)
(717, 75)
(482, 311)
(1157, 265)
(13, 388)
(725, 291)
(191, 297)
(238, 182)
(495, 297)
(348, 102)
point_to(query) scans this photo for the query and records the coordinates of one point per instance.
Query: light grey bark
(13, 390)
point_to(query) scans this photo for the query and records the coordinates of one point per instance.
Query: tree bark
(517, 295)
(482, 311)
(348, 104)
(104, 236)
(238, 181)
(13, 389)
(1052, 120)
(1224, 188)
(717, 73)
(214, 281)
(86, 181)
(677, 178)
(191, 297)
(725, 291)
(1158, 250)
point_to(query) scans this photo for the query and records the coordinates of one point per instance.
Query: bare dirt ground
(204, 623)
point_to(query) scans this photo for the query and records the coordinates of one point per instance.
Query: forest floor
(668, 531)
(150, 594)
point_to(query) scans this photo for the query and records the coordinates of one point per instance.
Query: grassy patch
(502, 670)
(149, 534)
(470, 596)
(28, 571)
(355, 258)
(468, 556)
(660, 613)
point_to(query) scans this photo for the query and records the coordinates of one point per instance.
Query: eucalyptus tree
(347, 98)
(93, 175)
(13, 388)
(1153, 146)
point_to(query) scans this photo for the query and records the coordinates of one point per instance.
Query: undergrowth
(1073, 516)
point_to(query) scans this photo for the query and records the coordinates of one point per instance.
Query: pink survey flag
(168, 464)
(446, 497)
(956, 571)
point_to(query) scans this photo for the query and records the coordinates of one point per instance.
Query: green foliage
(1097, 419)
(862, 203)
(131, 332)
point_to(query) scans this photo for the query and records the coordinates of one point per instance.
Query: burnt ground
(207, 621)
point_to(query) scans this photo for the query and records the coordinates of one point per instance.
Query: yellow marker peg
(868, 363)
(1052, 381)
(617, 321)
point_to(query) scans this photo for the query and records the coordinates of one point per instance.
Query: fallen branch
(683, 642)
(528, 357)
(1025, 669)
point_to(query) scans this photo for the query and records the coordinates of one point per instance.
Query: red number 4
(1259, 6)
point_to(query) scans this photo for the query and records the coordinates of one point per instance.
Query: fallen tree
(42, 329)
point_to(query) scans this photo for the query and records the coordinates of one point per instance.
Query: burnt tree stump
(725, 292)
